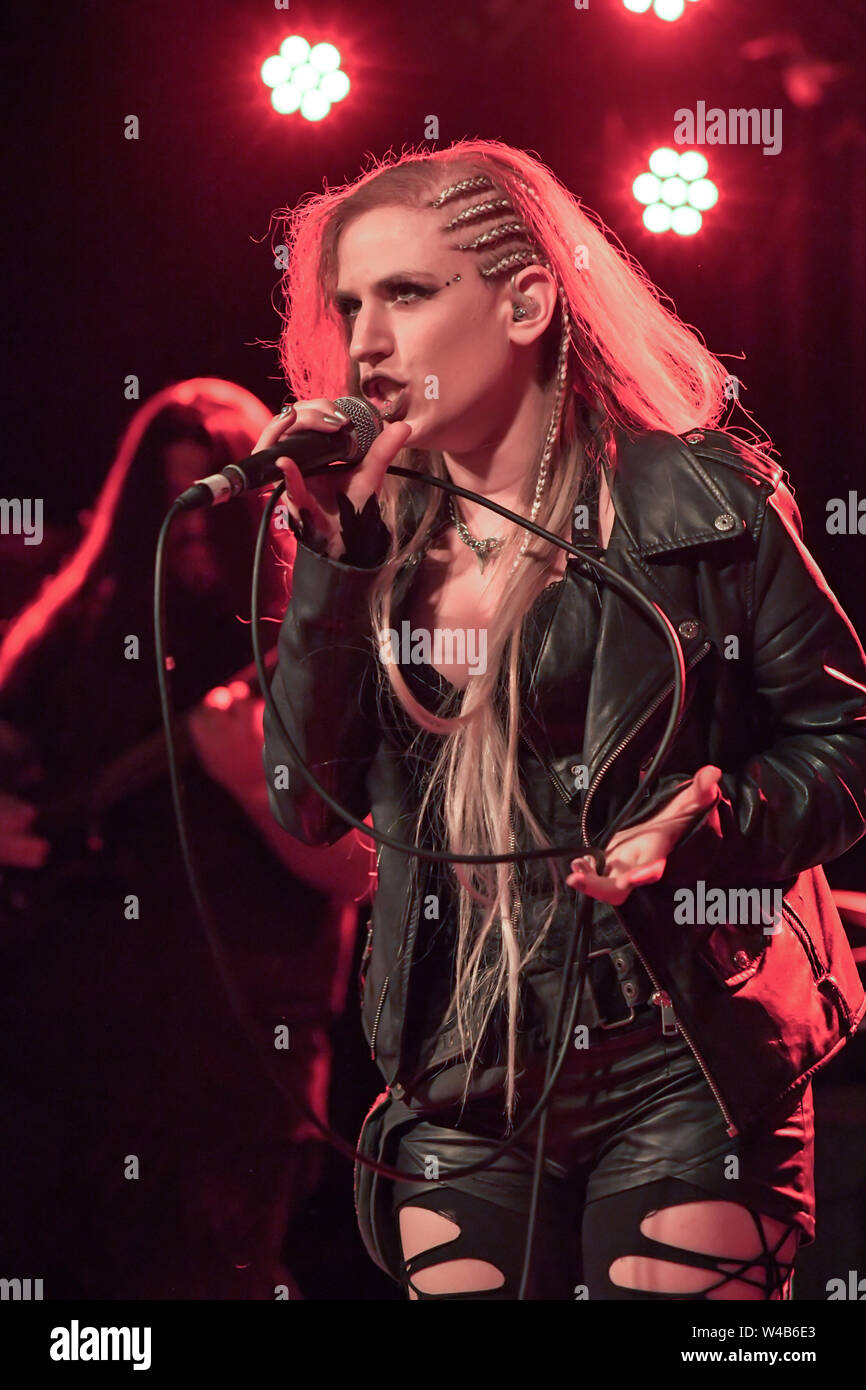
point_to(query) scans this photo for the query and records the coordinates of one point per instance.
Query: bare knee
(423, 1229)
(724, 1230)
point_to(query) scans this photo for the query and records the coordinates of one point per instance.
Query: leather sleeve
(802, 800)
(325, 691)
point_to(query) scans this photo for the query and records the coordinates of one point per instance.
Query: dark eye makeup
(345, 306)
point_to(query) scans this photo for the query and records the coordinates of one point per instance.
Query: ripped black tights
(574, 1254)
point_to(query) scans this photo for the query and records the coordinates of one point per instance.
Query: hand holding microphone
(363, 452)
(318, 495)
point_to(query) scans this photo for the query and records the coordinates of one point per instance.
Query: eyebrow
(398, 278)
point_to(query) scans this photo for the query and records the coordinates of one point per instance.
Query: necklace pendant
(486, 549)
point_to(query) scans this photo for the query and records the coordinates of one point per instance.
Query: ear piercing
(529, 307)
(521, 311)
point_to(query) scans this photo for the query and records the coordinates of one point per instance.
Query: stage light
(305, 78)
(703, 194)
(692, 165)
(647, 188)
(286, 99)
(668, 10)
(657, 217)
(676, 192)
(275, 70)
(664, 162)
(686, 221)
(325, 57)
(335, 85)
(315, 105)
(295, 50)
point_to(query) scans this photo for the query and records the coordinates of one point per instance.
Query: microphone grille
(367, 424)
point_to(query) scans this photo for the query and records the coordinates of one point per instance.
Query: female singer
(481, 692)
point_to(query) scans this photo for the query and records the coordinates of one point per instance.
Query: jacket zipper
(376, 1019)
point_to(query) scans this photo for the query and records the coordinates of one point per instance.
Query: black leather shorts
(627, 1112)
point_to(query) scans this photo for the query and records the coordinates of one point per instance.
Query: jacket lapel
(664, 502)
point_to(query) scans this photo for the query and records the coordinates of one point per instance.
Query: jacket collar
(664, 498)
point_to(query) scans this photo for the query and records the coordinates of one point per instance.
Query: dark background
(153, 257)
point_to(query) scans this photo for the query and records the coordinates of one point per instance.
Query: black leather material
(775, 697)
(626, 1113)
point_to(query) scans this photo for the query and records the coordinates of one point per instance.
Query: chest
(451, 594)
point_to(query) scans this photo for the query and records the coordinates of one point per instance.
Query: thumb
(706, 785)
(381, 454)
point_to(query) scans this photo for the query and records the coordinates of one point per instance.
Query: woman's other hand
(639, 855)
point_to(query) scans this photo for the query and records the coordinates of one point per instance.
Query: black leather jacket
(775, 697)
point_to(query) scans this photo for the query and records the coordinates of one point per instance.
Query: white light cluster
(304, 78)
(675, 192)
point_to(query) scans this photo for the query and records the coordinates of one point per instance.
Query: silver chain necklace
(483, 549)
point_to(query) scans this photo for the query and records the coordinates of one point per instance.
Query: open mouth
(390, 397)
